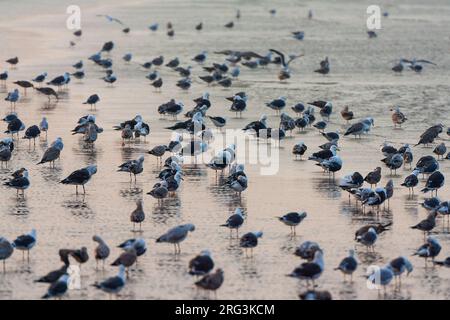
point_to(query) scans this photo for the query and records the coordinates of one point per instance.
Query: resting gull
(348, 265)
(19, 183)
(250, 241)
(25, 242)
(58, 288)
(113, 285)
(212, 281)
(310, 271)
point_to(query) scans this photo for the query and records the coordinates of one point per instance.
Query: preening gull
(102, 251)
(380, 275)
(299, 149)
(176, 235)
(80, 255)
(399, 266)
(126, 258)
(201, 264)
(368, 238)
(250, 241)
(430, 249)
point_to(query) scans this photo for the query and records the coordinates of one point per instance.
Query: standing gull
(211, 281)
(201, 264)
(101, 252)
(176, 235)
(368, 238)
(19, 183)
(235, 221)
(348, 265)
(434, 182)
(299, 149)
(250, 241)
(25, 242)
(134, 167)
(310, 271)
(293, 219)
(58, 288)
(113, 285)
(6, 250)
(138, 215)
(80, 177)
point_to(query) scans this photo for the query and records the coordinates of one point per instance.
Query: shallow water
(360, 77)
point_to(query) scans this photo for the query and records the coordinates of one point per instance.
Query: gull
(380, 275)
(324, 67)
(138, 244)
(127, 57)
(113, 285)
(379, 228)
(310, 271)
(326, 108)
(219, 122)
(285, 72)
(212, 281)
(4, 77)
(134, 167)
(431, 203)
(322, 155)
(80, 177)
(43, 126)
(160, 190)
(331, 165)
(399, 266)
(307, 250)
(126, 258)
(359, 128)
(393, 162)
(398, 118)
(427, 165)
(32, 132)
(50, 155)
(176, 235)
(48, 92)
(19, 183)
(54, 275)
(201, 57)
(299, 35)
(287, 122)
(430, 249)
(154, 26)
(80, 255)
(434, 182)
(250, 241)
(102, 250)
(92, 100)
(13, 61)
(430, 134)
(299, 149)
(348, 265)
(315, 295)
(158, 151)
(235, 221)
(440, 150)
(298, 108)
(201, 264)
(6, 250)
(368, 238)
(110, 78)
(321, 125)
(239, 104)
(25, 242)
(6, 148)
(173, 63)
(293, 219)
(60, 80)
(411, 181)
(347, 114)
(58, 288)
(24, 84)
(256, 126)
(138, 215)
(13, 97)
(427, 224)
(350, 182)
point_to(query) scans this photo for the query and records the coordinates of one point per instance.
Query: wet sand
(360, 77)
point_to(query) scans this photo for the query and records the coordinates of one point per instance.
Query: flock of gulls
(200, 128)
